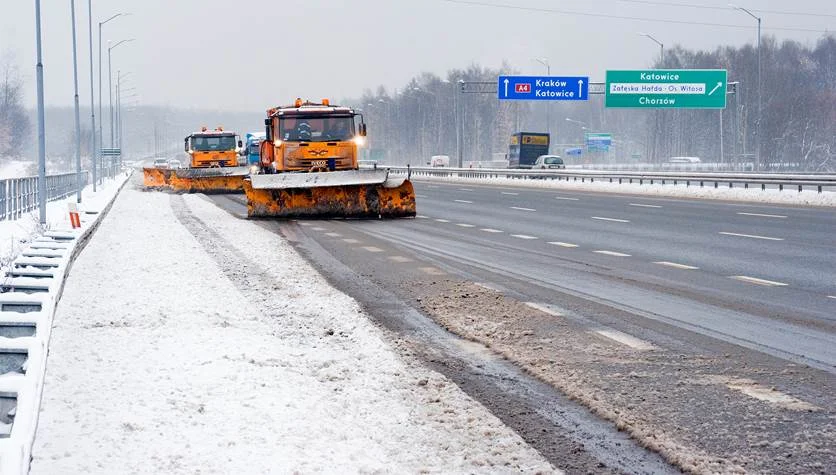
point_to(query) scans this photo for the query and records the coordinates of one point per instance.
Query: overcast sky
(251, 54)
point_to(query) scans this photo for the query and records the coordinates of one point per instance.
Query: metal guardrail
(782, 180)
(20, 195)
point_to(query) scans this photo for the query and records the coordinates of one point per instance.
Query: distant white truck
(440, 161)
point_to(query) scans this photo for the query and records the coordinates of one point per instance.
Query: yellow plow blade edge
(209, 180)
(156, 178)
(386, 199)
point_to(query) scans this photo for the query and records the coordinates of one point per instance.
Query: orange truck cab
(213, 148)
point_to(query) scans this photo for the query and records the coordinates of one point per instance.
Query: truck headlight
(359, 140)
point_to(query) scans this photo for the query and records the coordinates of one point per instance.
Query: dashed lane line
(465, 225)
(509, 193)
(372, 249)
(832, 297)
(625, 339)
(566, 198)
(523, 236)
(399, 259)
(351, 241)
(522, 209)
(491, 230)
(333, 234)
(763, 215)
(442, 220)
(465, 189)
(616, 220)
(463, 201)
(612, 253)
(421, 216)
(563, 244)
(752, 236)
(640, 205)
(317, 228)
(675, 265)
(755, 280)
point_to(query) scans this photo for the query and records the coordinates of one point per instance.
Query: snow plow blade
(340, 194)
(209, 180)
(156, 178)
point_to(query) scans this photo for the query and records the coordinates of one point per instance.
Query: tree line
(15, 126)
(797, 119)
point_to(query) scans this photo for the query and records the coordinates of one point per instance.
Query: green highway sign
(667, 88)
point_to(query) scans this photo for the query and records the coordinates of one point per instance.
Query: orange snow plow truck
(213, 165)
(309, 168)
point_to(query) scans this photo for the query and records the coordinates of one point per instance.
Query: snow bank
(181, 347)
(738, 193)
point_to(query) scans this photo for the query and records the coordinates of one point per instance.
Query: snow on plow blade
(341, 194)
(156, 178)
(208, 180)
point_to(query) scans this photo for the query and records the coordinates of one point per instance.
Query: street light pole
(661, 47)
(93, 148)
(77, 118)
(760, 116)
(101, 135)
(545, 62)
(110, 85)
(39, 68)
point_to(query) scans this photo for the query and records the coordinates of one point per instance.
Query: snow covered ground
(807, 197)
(179, 347)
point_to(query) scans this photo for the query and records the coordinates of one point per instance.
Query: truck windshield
(253, 148)
(215, 143)
(316, 129)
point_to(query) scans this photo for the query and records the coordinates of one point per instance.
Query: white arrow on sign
(580, 87)
(506, 87)
(718, 86)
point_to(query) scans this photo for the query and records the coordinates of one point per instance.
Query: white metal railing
(20, 195)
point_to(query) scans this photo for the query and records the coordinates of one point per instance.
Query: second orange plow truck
(214, 165)
(309, 168)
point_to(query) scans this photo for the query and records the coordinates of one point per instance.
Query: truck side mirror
(362, 129)
(268, 129)
(186, 144)
(240, 144)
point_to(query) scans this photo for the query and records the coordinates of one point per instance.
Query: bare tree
(14, 123)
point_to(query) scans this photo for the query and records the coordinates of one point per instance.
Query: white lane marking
(674, 264)
(400, 259)
(755, 280)
(544, 309)
(626, 339)
(563, 244)
(443, 220)
(752, 236)
(351, 241)
(612, 253)
(644, 206)
(523, 236)
(832, 297)
(488, 286)
(762, 393)
(463, 201)
(611, 219)
(372, 249)
(522, 209)
(319, 229)
(431, 270)
(566, 198)
(490, 230)
(421, 216)
(509, 193)
(305, 224)
(465, 225)
(465, 189)
(333, 234)
(763, 215)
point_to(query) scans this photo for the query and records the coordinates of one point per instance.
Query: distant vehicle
(253, 141)
(684, 160)
(548, 161)
(440, 161)
(525, 147)
(160, 163)
(174, 164)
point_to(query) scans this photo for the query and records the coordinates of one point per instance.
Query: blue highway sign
(543, 88)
